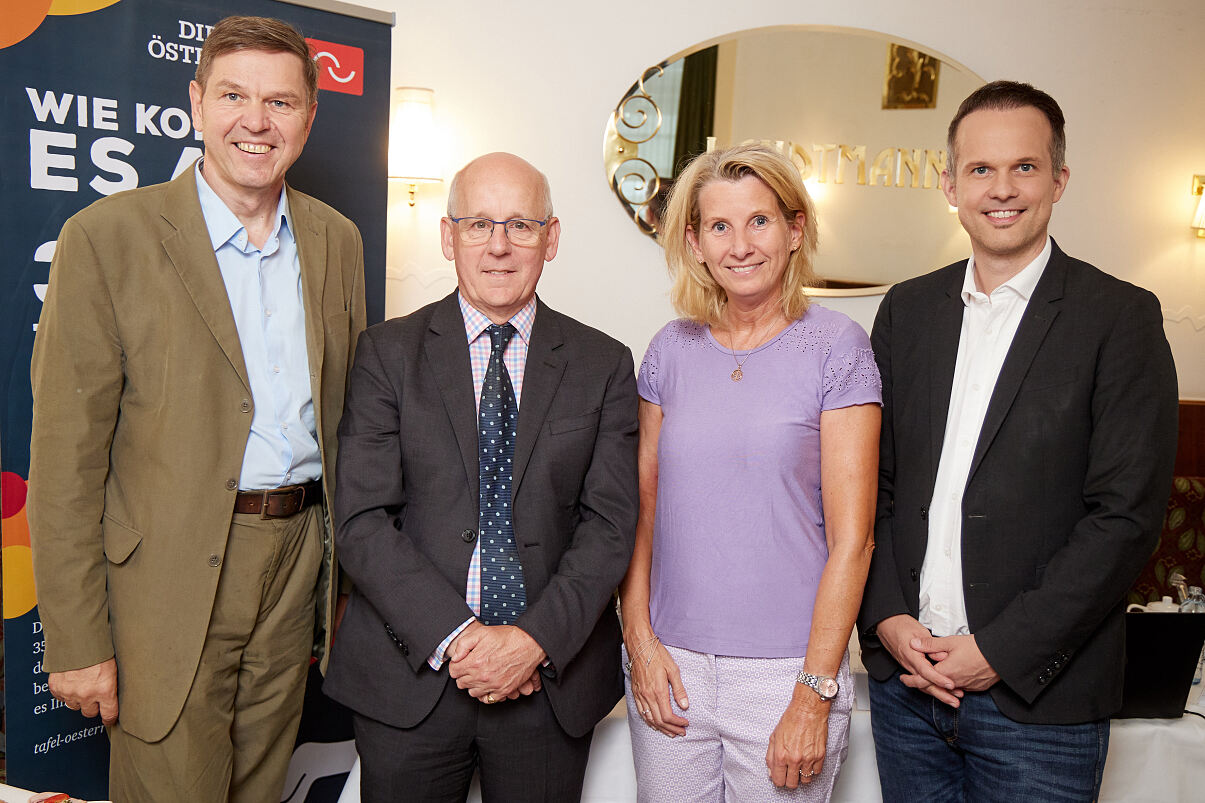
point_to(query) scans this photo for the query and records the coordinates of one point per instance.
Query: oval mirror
(862, 116)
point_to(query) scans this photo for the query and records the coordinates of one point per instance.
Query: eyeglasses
(520, 231)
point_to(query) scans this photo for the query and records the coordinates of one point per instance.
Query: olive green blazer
(142, 409)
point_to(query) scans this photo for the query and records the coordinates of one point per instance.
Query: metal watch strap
(813, 683)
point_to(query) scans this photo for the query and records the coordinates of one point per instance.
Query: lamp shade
(413, 146)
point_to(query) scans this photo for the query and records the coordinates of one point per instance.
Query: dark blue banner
(94, 100)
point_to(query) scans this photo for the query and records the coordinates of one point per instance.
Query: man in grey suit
(1029, 428)
(486, 510)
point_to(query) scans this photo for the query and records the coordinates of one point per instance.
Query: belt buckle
(263, 504)
(283, 494)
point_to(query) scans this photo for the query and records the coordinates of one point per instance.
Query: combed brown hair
(1004, 96)
(694, 293)
(258, 33)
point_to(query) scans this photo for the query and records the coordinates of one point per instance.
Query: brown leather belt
(279, 503)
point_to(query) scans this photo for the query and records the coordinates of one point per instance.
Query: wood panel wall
(1190, 455)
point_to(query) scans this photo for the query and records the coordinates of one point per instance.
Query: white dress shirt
(989, 323)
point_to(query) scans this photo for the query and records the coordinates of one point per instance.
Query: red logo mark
(340, 67)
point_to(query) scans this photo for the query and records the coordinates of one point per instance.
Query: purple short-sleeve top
(738, 543)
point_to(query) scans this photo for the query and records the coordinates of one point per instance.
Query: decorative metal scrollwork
(636, 110)
(634, 180)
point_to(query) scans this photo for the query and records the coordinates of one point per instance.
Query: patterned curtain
(1181, 546)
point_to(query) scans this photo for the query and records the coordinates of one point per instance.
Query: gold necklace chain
(738, 373)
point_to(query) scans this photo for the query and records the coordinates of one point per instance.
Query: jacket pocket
(336, 322)
(558, 426)
(120, 540)
(1044, 382)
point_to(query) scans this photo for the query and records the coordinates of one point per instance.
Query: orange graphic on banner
(22, 17)
(19, 594)
(63, 8)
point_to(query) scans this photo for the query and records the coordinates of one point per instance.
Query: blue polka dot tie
(503, 595)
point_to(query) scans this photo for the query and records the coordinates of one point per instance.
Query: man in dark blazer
(1029, 428)
(442, 681)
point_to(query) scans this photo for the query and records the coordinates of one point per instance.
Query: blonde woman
(759, 422)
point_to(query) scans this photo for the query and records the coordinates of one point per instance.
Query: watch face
(827, 688)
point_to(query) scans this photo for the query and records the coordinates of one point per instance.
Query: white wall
(540, 78)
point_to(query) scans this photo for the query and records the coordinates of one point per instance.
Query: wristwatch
(826, 687)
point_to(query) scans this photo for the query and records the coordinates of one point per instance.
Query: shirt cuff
(436, 659)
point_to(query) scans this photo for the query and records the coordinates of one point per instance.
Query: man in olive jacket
(188, 379)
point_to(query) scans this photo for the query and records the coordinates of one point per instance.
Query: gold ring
(489, 698)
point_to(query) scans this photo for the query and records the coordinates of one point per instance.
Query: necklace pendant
(737, 374)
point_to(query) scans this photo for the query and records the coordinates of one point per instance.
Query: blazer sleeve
(568, 609)
(357, 323)
(1130, 455)
(359, 314)
(883, 596)
(77, 380)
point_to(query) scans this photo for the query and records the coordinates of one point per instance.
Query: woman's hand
(655, 676)
(797, 746)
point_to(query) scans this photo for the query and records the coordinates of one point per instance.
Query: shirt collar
(1022, 283)
(476, 322)
(222, 224)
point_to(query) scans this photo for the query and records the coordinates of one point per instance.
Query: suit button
(231, 485)
(915, 574)
(215, 561)
(245, 406)
(924, 513)
(468, 536)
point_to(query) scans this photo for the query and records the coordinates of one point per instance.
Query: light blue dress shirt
(264, 287)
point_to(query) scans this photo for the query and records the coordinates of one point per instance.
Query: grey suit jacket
(1067, 486)
(141, 412)
(407, 510)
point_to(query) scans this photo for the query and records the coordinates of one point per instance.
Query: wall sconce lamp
(413, 142)
(1198, 218)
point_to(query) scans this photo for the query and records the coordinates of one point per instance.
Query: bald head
(497, 276)
(499, 168)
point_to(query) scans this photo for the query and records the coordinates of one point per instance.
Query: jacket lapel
(310, 236)
(1040, 312)
(541, 378)
(944, 336)
(448, 357)
(191, 252)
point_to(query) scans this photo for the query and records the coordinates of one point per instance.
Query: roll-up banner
(93, 101)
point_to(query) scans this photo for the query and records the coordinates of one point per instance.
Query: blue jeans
(930, 752)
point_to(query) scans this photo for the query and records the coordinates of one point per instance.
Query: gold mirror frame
(914, 84)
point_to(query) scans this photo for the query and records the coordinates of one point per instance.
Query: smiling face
(497, 277)
(744, 240)
(1004, 185)
(254, 117)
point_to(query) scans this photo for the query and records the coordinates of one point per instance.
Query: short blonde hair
(694, 293)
